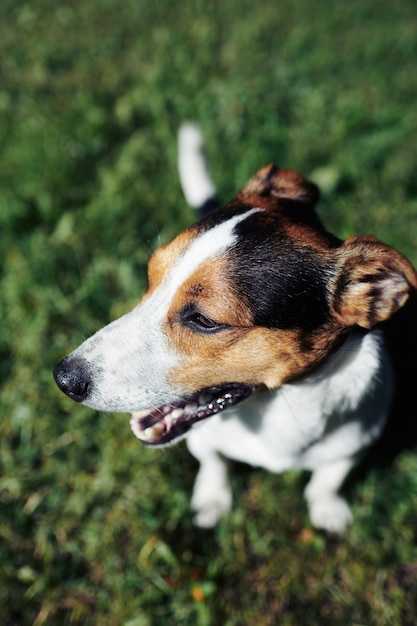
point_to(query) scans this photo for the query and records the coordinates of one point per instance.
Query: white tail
(197, 185)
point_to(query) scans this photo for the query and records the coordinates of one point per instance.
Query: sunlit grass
(94, 528)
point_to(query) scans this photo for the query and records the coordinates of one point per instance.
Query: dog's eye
(204, 322)
(200, 323)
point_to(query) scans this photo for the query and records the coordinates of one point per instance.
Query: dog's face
(255, 295)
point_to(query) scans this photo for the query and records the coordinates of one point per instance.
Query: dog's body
(321, 424)
(255, 303)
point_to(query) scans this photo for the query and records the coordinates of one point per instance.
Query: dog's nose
(73, 378)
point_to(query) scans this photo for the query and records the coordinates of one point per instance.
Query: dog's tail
(197, 185)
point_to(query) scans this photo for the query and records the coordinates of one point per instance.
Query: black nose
(73, 378)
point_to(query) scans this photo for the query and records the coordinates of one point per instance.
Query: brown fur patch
(374, 281)
(257, 356)
(281, 183)
(211, 292)
(164, 258)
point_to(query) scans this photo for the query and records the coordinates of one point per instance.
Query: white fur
(321, 424)
(195, 180)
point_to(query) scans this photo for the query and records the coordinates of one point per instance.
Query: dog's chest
(266, 431)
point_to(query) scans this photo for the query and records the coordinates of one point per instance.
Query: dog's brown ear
(281, 183)
(373, 282)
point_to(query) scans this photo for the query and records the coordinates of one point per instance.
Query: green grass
(94, 528)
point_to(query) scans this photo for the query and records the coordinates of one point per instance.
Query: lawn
(95, 529)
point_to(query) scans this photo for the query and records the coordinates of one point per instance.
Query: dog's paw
(208, 517)
(209, 509)
(331, 513)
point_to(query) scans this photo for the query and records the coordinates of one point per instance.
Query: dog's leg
(328, 509)
(212, 496)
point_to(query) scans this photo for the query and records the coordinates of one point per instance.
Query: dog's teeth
(153, 431)
(176, 413)
(146, 434)
(191, 408)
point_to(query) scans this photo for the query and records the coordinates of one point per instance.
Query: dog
(260, 339)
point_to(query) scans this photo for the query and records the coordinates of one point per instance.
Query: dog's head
(255, 295)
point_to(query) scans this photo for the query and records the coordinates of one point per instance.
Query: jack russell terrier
(258, 339)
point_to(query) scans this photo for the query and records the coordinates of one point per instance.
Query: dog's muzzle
(73, 378)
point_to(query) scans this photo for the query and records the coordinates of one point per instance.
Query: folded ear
(373, 282)
(281, 183)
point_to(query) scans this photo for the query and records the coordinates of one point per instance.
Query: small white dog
(258, 339)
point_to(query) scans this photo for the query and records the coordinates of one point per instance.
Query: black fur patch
(282, 281)
(222, 214)
(211, 204)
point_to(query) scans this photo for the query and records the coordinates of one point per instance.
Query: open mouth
(167, 423)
